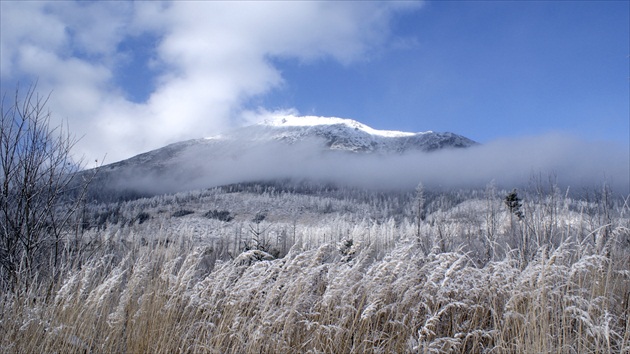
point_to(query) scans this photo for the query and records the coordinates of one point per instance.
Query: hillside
(316, 148)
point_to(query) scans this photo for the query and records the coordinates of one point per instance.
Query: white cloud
(515, 163)
(21, 24)
(95, 28)
(212, 56)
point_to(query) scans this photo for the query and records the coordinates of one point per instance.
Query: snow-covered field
(266, 269)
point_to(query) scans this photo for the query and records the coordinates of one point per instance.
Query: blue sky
(130, 77)
(486, 70)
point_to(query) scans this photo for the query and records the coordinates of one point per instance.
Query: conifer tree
(514, 204)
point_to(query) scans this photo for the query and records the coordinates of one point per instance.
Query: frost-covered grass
(473, 281)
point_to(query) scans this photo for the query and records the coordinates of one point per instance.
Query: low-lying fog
(509, 163)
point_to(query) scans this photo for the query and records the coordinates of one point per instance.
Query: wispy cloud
(208, 59)
(516, 163)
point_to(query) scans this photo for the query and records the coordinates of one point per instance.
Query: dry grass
(569, 298)
(162, 301)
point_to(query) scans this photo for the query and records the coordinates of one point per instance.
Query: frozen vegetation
(111, 261)
(299, 268)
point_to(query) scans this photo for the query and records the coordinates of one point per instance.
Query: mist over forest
(510, 163)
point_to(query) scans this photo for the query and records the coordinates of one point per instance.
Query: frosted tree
(40, 188)
(420, 215)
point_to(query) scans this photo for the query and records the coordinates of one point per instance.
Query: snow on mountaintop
(310, 121)
(339, 134)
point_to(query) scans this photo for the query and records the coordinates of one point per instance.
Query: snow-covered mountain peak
(339, 134)
(311, 121)
(274, 146)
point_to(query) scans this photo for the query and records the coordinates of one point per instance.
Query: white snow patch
(309, 121)
(215, 137)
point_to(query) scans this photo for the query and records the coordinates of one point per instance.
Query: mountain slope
(283, 147)
(346, 135)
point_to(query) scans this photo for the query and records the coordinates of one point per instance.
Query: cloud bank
(516, 163)
(202, 61)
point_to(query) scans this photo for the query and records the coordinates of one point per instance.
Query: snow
(339, 134)
(310, 121)
(214, 137)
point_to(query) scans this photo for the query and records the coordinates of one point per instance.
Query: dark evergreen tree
(514, 204)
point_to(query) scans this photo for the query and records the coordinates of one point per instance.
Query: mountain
(274, 148)
(345, 135)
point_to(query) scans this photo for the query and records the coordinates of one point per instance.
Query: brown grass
(161, 301)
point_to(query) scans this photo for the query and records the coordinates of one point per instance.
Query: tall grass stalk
(166, 300)
(336, 297)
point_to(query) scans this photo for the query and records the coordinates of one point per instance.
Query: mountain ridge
(340, 134)
(346, 135)
(283, 147)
